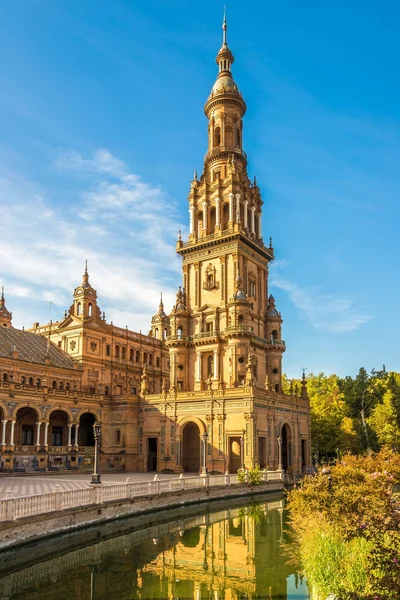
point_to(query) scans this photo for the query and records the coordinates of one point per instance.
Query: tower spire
(2, 299)
(224, 29)
(85, 275)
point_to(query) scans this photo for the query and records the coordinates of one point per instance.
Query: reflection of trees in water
(197, 557)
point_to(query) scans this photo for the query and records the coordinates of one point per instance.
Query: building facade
(225, 404)
(204, 389)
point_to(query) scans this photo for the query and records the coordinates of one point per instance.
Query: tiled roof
(32, 348)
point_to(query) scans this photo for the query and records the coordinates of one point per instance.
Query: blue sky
(102, 125)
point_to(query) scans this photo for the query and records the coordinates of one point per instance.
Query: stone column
(259, 225)
(76, 435)
(12, 433)
(217, 212)
(253, 219)
(69, 435)
(205, 215)
(191, 220)
(237, 208)
(231, 208)
(38, 424)
(46, 432)
(246, 224)
(216, 364)
(198, 366)
(3, 432)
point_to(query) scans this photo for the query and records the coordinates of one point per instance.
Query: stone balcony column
(246, 224)
(46, 431)
(231, 208)
(259, 225)
(205, 224)
(216, 364)
(253, 219)
(3, 432)
(217, 212)
(38, 424)
(69, 436)
(191, 220)
(198, 366)
(237, 196)
(12, 433)
(76, 445)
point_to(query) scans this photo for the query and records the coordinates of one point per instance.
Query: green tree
(383, 421)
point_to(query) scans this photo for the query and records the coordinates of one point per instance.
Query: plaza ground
(29, 486)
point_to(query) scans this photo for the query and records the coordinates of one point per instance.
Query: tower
(223, 315)
(85, 300)
(5, 315)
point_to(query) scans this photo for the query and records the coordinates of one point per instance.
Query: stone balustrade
(12, 509)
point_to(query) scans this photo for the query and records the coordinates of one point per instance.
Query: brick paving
(29, 486)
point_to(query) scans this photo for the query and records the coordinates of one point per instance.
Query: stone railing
(12, 509)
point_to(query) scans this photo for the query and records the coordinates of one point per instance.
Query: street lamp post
(204, 469)
(96, 432)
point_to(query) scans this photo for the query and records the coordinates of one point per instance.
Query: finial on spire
(2, 300)
(224, 28)
(179, 235)
(86, 274)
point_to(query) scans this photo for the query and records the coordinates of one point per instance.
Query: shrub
(253, 476)
(345, 525)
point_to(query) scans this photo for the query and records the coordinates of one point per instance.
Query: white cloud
(124, 226)
(326, 312)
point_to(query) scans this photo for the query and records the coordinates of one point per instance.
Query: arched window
(274, 335)
(131, 354)
(212, 220)
(117, 351)
(158, 361)
(156, 333)
(229, 136)
(61, 385)
(165, 333)
(123, 353)
(210, 366)
(240, 319)
(225, 216)
(217, 137)
(145, 358)
(151, 360)
(54, 384)
(90, 309)
(5, 377)
(23, 380)
(30, 381)
(137, 356)
(179, 332)
(38, 382)
(238, 138)
(67, 386)
(78, 308)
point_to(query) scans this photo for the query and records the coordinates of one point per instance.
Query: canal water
(229, 554)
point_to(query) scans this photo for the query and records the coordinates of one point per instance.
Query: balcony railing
(219, 149)
(238, 329)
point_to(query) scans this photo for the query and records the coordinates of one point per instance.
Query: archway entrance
(191, 448)
(235, 454)
(286, 447)
(85, 432)
(58, 429)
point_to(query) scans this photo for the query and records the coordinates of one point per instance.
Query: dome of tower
(225, 83)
